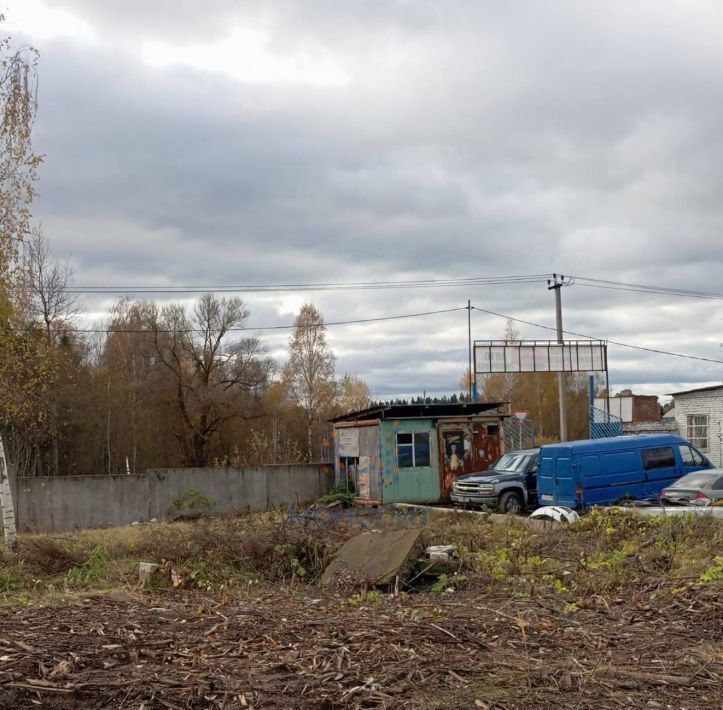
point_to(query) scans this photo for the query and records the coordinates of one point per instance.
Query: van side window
(686, 455)
(660, 457)
(689, 456)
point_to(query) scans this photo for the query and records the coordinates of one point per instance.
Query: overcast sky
(296, 141)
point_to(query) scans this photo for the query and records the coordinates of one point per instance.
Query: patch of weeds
(297, 568)
(11, 578)
(370, 597)
(46, 555)
(338, 494)
(495, 564)
(556, 583)
(201, 576)
(714, 573)
(607, 560)
(192, 504)
(93, 570)
(448, 583)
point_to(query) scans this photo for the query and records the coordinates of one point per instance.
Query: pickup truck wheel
(510, 502)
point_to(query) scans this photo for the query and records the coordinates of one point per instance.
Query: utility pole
(556, 285)
(469, 346)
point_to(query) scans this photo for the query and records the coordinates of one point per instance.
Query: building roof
(419, 411)
(700, 389)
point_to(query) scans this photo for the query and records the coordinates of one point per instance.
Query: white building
(699, 415)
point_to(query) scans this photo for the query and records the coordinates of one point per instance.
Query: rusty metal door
(487, 446)
(465, 447)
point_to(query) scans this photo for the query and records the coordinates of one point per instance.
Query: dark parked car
(698, 488)
(509, 485)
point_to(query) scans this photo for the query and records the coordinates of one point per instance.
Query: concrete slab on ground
(377, 557)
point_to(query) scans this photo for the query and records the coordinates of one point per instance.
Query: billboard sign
(492, 356)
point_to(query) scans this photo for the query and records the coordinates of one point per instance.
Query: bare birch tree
(309, 370)
(49, 303)
(8, 507)
(18, 162)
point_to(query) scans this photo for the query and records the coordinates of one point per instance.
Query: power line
(405, 316)
(271, 327)
(642, 288)
(590, 337)
(473, 281)
(338, 286)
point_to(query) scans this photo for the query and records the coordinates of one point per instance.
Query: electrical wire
(590, 337)
(272, 327)
(340, 286)
(422, 314)
(642, 288)
(576, 280)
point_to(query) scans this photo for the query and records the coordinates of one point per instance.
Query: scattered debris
(438, 560)
(411, 653)
(148, 573)
(556, 513)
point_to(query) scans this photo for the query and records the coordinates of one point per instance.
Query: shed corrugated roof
(414, 411)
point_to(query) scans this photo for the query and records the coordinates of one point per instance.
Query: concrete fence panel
(292, 483)
(60, 504)
(65, 503)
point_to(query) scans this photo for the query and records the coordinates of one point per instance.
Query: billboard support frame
(566, 347)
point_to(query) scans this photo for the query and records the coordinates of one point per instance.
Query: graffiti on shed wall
(466, 448)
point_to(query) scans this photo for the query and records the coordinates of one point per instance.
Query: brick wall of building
(645, 408)
(711, 404)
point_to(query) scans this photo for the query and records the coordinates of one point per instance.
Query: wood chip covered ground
(300, 646)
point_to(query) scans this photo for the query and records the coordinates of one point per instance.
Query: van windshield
(512, 462)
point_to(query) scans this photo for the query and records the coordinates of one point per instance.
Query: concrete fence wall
(65, 503)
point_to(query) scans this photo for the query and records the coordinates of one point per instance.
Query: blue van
(606, 471)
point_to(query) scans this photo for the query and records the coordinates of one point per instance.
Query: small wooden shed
(411, 453)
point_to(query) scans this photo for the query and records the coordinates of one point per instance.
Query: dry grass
(612, 612)
(607, 553)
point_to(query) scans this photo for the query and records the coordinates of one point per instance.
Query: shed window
(660, 457)
(697, 431)
(413, 449)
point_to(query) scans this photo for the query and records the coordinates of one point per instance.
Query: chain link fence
(519, 434)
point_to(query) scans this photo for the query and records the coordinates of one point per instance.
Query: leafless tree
(46, 283)
(213, 373)
(49, 303)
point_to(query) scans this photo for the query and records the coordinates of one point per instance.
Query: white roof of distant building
(695, 391)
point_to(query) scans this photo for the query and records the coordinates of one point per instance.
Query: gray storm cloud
(468, 139)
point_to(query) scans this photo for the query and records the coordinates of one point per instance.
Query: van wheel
(510, 502)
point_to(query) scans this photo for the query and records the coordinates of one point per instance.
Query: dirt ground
(461, 651)
(616, 613)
